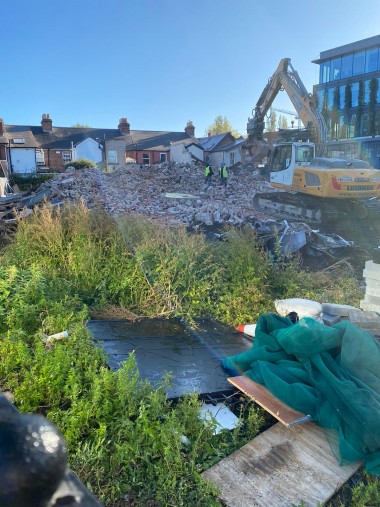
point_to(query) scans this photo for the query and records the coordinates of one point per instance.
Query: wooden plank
(260, 395)
(281, 467)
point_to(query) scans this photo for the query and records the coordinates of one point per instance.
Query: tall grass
(125, 438)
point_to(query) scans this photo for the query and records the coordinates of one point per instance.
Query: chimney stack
(46, 123)
(124, 126)
(1, 127)
(190, 129)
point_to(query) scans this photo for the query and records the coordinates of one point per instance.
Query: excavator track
(304, 207)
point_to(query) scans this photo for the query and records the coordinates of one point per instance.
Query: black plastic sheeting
(192, 354)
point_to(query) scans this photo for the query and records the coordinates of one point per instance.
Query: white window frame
(40, 157)
(112, 156)
(144, 156)
(163, 155)
(66, 156)
(232, 158)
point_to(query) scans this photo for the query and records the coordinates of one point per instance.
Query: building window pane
(66, 156)
(112, 156)
(325, 72)
(359, 61)
(145, 158)
(371, 59)
(40, 157)
(347, 66)
(162, 157)
(365, 125)
(320, 95)
(330, 98)
(378, 91)
(355, 94)
(342, 90)
(377, 123)
(335, 69)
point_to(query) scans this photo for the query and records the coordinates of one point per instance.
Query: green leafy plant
(82, 163)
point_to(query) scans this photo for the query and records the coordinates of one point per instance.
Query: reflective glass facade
(353, 64)
(344, 68)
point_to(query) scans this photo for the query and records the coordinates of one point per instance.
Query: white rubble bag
(303, 307)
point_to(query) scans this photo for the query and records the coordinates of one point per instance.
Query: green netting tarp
(330, 373)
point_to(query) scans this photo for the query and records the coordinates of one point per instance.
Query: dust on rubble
(172, 193)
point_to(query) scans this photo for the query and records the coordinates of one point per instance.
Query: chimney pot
(190, 129)
(46, 123)
(124, 126)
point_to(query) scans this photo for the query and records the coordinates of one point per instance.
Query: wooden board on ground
(279, 468)
(260, 395)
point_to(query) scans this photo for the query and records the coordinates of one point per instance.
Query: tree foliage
(271, 122)
(359, 111)
(221, 125)
(283, 122)
(81, 126)
(373, 89)
(335, 114)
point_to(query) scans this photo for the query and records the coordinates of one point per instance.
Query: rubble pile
(172, 192)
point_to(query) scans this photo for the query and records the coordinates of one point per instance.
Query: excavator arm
(284, 78)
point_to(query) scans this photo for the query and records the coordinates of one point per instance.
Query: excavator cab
(286, 157)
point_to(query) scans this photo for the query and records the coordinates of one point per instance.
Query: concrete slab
(373, 300)
(330, 320)
(373, 283)
(367, 320)
(372, 266)
(372, 291)
(334, 309)
(191, 354)
(375, 275)
(364, 305)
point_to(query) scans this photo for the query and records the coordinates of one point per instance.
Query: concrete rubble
(176, 194)
(173, 193)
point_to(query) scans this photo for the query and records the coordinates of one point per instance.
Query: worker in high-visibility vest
(223, 173)
(208, 175)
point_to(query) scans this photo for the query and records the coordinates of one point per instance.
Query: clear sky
(162, 62)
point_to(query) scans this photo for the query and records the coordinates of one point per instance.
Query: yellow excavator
(300, 166)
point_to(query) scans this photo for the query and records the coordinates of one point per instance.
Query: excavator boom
(284, 78)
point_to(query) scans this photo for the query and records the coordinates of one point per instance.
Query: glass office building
(348, 94)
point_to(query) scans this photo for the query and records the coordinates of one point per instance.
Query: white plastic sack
(304, 308)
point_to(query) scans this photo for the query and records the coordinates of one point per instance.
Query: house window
(112, 156)
(145, 158)
(232, 158)
(66, 156)
(162, 157)
(40, 157)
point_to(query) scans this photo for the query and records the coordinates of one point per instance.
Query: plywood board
(260, 395)
(281, 467)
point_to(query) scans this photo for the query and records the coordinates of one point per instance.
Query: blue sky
(162, 62)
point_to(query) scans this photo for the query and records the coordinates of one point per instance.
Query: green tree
(221, 125)
(81, 126)
(359, 111)
(283, 122)
(271, 122)
(335, 114)
(373, 89)
(347, 107)
(325, 109)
